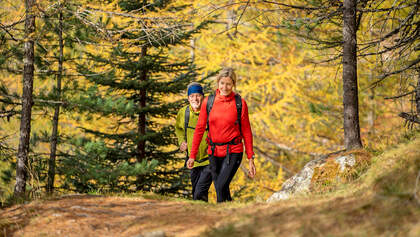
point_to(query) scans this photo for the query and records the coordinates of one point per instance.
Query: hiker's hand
(251, 170)
(183, 146)
(190, 163)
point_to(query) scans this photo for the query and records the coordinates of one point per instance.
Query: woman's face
(225, 86)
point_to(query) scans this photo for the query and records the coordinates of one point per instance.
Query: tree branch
(8, 32)
(399, 96)
(295, 6)
(239, 19)
(385, 9)
(409, 117)
(272, 161)
(287, 148)
(381, 78)
(7, 114)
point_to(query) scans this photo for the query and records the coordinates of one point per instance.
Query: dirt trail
(360, 215)
(109, 216)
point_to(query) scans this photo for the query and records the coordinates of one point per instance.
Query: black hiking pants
(222, 174)
(201, 181)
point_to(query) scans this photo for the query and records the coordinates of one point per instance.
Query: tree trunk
(231, 21)
(192, 51)
(141, 145)
(372, 102)
(350, 91)
(54, 133)
(27, 100)
(418, 95)
(371, 114)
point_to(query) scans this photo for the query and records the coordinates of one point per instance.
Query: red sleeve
(200, 128)
(246, 130)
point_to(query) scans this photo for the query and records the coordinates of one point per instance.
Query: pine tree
(62, 36)
(61, 30)
(136, 83)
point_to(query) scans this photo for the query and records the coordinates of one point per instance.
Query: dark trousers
(222, 174)
(201, 181)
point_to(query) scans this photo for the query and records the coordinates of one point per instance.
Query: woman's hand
(190, 163)
(251, 170)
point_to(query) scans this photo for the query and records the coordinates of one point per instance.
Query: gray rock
(301, 181)
(345, 161)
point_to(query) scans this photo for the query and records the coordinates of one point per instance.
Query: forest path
(361, 214)
(87, 215)
(383, 201)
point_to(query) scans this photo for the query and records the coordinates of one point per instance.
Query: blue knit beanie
(196, 88)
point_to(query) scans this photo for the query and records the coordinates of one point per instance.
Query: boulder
(301, 182)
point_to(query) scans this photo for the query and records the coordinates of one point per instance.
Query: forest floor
(384, 201)
(91, 215)
(85, 215)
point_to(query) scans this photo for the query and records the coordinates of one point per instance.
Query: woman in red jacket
(225, 134)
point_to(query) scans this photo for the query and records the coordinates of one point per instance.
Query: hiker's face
(195, 100)
(225, 85)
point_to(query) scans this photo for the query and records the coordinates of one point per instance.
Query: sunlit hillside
(383, 201)
(110, 77)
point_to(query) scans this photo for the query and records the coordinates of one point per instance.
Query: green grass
(378, 201)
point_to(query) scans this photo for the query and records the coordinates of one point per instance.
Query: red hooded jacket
(223, 116)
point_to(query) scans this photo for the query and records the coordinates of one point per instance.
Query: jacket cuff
(251, 156)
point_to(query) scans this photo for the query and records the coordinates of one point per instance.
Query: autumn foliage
(288, 74)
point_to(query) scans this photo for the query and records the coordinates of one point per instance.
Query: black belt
(232, 142)
(202, 160)
(198, 161)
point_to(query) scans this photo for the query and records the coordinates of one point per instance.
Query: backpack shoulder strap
(186, 120)
(209, 106)
(238, 101)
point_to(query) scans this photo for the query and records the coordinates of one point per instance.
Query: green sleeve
(179, 126)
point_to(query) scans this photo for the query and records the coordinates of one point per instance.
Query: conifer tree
(61, 30)
(62, 36)
(136, 84)
(58, 88)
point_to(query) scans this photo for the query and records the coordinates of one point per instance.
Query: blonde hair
(227, 72)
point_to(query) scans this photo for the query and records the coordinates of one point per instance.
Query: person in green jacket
(186, 121)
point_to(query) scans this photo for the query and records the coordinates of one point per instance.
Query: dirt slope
(362, 215)
(383, 201)
(85, 215)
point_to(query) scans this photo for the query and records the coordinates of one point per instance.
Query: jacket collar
(229, 97)
(192, 111)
